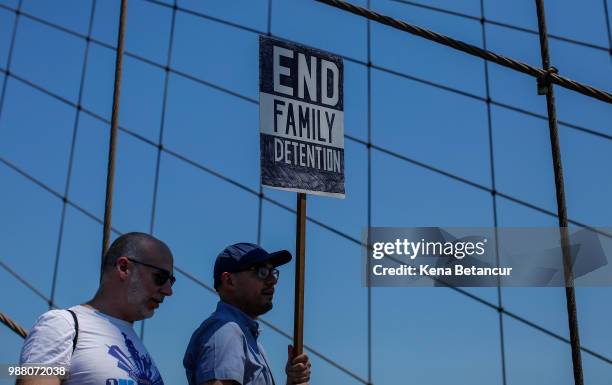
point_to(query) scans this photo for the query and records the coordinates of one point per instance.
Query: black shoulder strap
(76, 329)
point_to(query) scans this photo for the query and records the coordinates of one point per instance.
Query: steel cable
(75, 129)
(352, 138)
(472, 50)
(13, 325)
(252, 100)
(547, 89)
(110, 174)
(500, 305)
(482, 19)
(316, 222)
(551, 76)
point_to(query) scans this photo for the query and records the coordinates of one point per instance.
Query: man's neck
(237, 306)
(108, 306)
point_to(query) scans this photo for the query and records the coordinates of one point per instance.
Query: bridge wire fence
(483, 20)
(500, 317)
(370, 15)
(100, 221)
(75, 129)
(160, 139)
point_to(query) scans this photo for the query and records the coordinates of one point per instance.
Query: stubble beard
(138, 298)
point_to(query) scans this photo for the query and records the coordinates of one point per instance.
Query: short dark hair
(129, 244)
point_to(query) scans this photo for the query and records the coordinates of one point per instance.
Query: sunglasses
(161, 276)
(263, 272)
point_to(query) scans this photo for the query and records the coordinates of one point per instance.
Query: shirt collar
(242, 319)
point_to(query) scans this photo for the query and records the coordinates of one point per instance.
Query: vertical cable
(369, 224)
(608, 28)
(261, 194)
(545, 86)
(5, 319)
(160, 140)
(10, 56)
(493, 193)
(75, 129)
(110, 175)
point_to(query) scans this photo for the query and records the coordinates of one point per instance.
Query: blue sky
(423, 335)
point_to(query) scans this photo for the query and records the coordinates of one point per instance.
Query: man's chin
(267, 307)
(147, 313)
(264, 308)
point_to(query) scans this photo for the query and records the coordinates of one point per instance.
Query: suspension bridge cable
(26, 283)
(260, 196)
(13, 325)
(488, 103)
(484, 20)
(110, 173)
(177, 268)
(160, 139)
(9, 59)
(252, 100)
(75, 128)
(357, 140)
(327, 227)
(468, 294)
(279, 330)
(608, 28)
(500, 315)
(546, 88)
(471, 50)
(369, 192)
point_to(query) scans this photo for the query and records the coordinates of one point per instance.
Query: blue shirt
(225, 347)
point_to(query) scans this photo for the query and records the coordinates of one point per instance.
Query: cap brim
(279, 258)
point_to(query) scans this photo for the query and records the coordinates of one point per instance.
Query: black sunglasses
(161, 277)
(263, 272)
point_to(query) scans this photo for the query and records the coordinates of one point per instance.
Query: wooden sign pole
(300, 251)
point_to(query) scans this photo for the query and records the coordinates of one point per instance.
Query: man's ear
(227, 279)
(121, 266)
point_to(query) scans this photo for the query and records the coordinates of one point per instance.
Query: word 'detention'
(301, 118)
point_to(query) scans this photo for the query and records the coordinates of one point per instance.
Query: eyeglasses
(161, 277)
(263, 272)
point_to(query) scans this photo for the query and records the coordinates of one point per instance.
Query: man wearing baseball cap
(224, 350)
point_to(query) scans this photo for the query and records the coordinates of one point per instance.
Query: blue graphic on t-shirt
(138, 367)
(114, 381)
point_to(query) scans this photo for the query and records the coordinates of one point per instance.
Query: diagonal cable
(278, 330)
(13, 325)
(71, 152)
(348, 237)
(608, 28)
(252, 100)
(472, 50)
(252, 191)
(255, 192)
(500, 316)
(484, 20)
(160, 139)
(9, 59)
(184, 272)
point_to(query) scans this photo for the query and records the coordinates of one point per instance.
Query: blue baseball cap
(241, 256)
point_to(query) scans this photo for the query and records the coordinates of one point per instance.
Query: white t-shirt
(108, 351)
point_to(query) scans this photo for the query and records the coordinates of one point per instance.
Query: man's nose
(166, 289)
(272, 279)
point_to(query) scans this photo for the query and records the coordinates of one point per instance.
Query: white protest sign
(301, 118)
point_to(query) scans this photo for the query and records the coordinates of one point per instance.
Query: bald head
(140, 246)
(137, 276)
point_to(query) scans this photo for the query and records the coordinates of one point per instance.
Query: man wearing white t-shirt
(96, 341)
